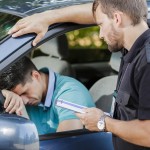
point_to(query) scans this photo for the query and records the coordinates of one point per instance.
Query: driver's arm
(14, 103)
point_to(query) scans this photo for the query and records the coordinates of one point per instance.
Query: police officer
(122, 25)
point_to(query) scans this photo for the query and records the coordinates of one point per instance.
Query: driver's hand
(13, 103)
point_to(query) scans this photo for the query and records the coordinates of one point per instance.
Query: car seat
(57, 53)
(103, 89)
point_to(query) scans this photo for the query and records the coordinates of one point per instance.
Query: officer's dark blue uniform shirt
(133, 88)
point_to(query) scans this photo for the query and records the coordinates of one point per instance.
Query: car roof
(29, 7)
(24, 8)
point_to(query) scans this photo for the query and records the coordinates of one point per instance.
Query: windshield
(6, 22)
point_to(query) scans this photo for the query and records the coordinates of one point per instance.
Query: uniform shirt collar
(50, 90)
(138, 44)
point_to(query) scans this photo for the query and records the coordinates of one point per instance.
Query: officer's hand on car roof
(27, 25)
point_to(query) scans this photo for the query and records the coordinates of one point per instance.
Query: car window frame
(25, 46)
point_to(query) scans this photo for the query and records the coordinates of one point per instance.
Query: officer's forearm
(81, 14)
(136, 131)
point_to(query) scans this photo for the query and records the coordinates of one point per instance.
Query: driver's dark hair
(18, 73)
(135, 9)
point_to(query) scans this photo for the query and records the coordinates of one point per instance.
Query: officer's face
(109, 31)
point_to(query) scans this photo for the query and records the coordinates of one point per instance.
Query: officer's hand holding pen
(90, 118)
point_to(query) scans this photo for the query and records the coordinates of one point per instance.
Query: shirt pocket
(122, 98)
(124, 112)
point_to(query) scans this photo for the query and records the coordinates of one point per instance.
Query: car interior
(96, 67)
(56, 55)
(99, 77)
(92, 64)
(102, 90)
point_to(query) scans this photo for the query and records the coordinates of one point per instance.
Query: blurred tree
(86, 46)
(85, 38)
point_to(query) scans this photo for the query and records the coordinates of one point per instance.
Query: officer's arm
(67, 125)
(135, 131)
(81, 14)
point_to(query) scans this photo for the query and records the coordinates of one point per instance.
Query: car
(68, 50)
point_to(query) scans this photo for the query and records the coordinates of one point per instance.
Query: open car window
(72, 53)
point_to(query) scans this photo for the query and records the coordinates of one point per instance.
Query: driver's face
(31, 92)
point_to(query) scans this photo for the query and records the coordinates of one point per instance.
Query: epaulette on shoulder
(147, 48)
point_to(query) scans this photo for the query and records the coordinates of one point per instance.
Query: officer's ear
(118, 18)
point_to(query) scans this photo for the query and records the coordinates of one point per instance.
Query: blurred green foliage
(86, 46)
(86, 38)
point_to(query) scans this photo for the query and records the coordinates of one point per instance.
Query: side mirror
(17, 133)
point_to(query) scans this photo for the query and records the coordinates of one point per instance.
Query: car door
(73, 140)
